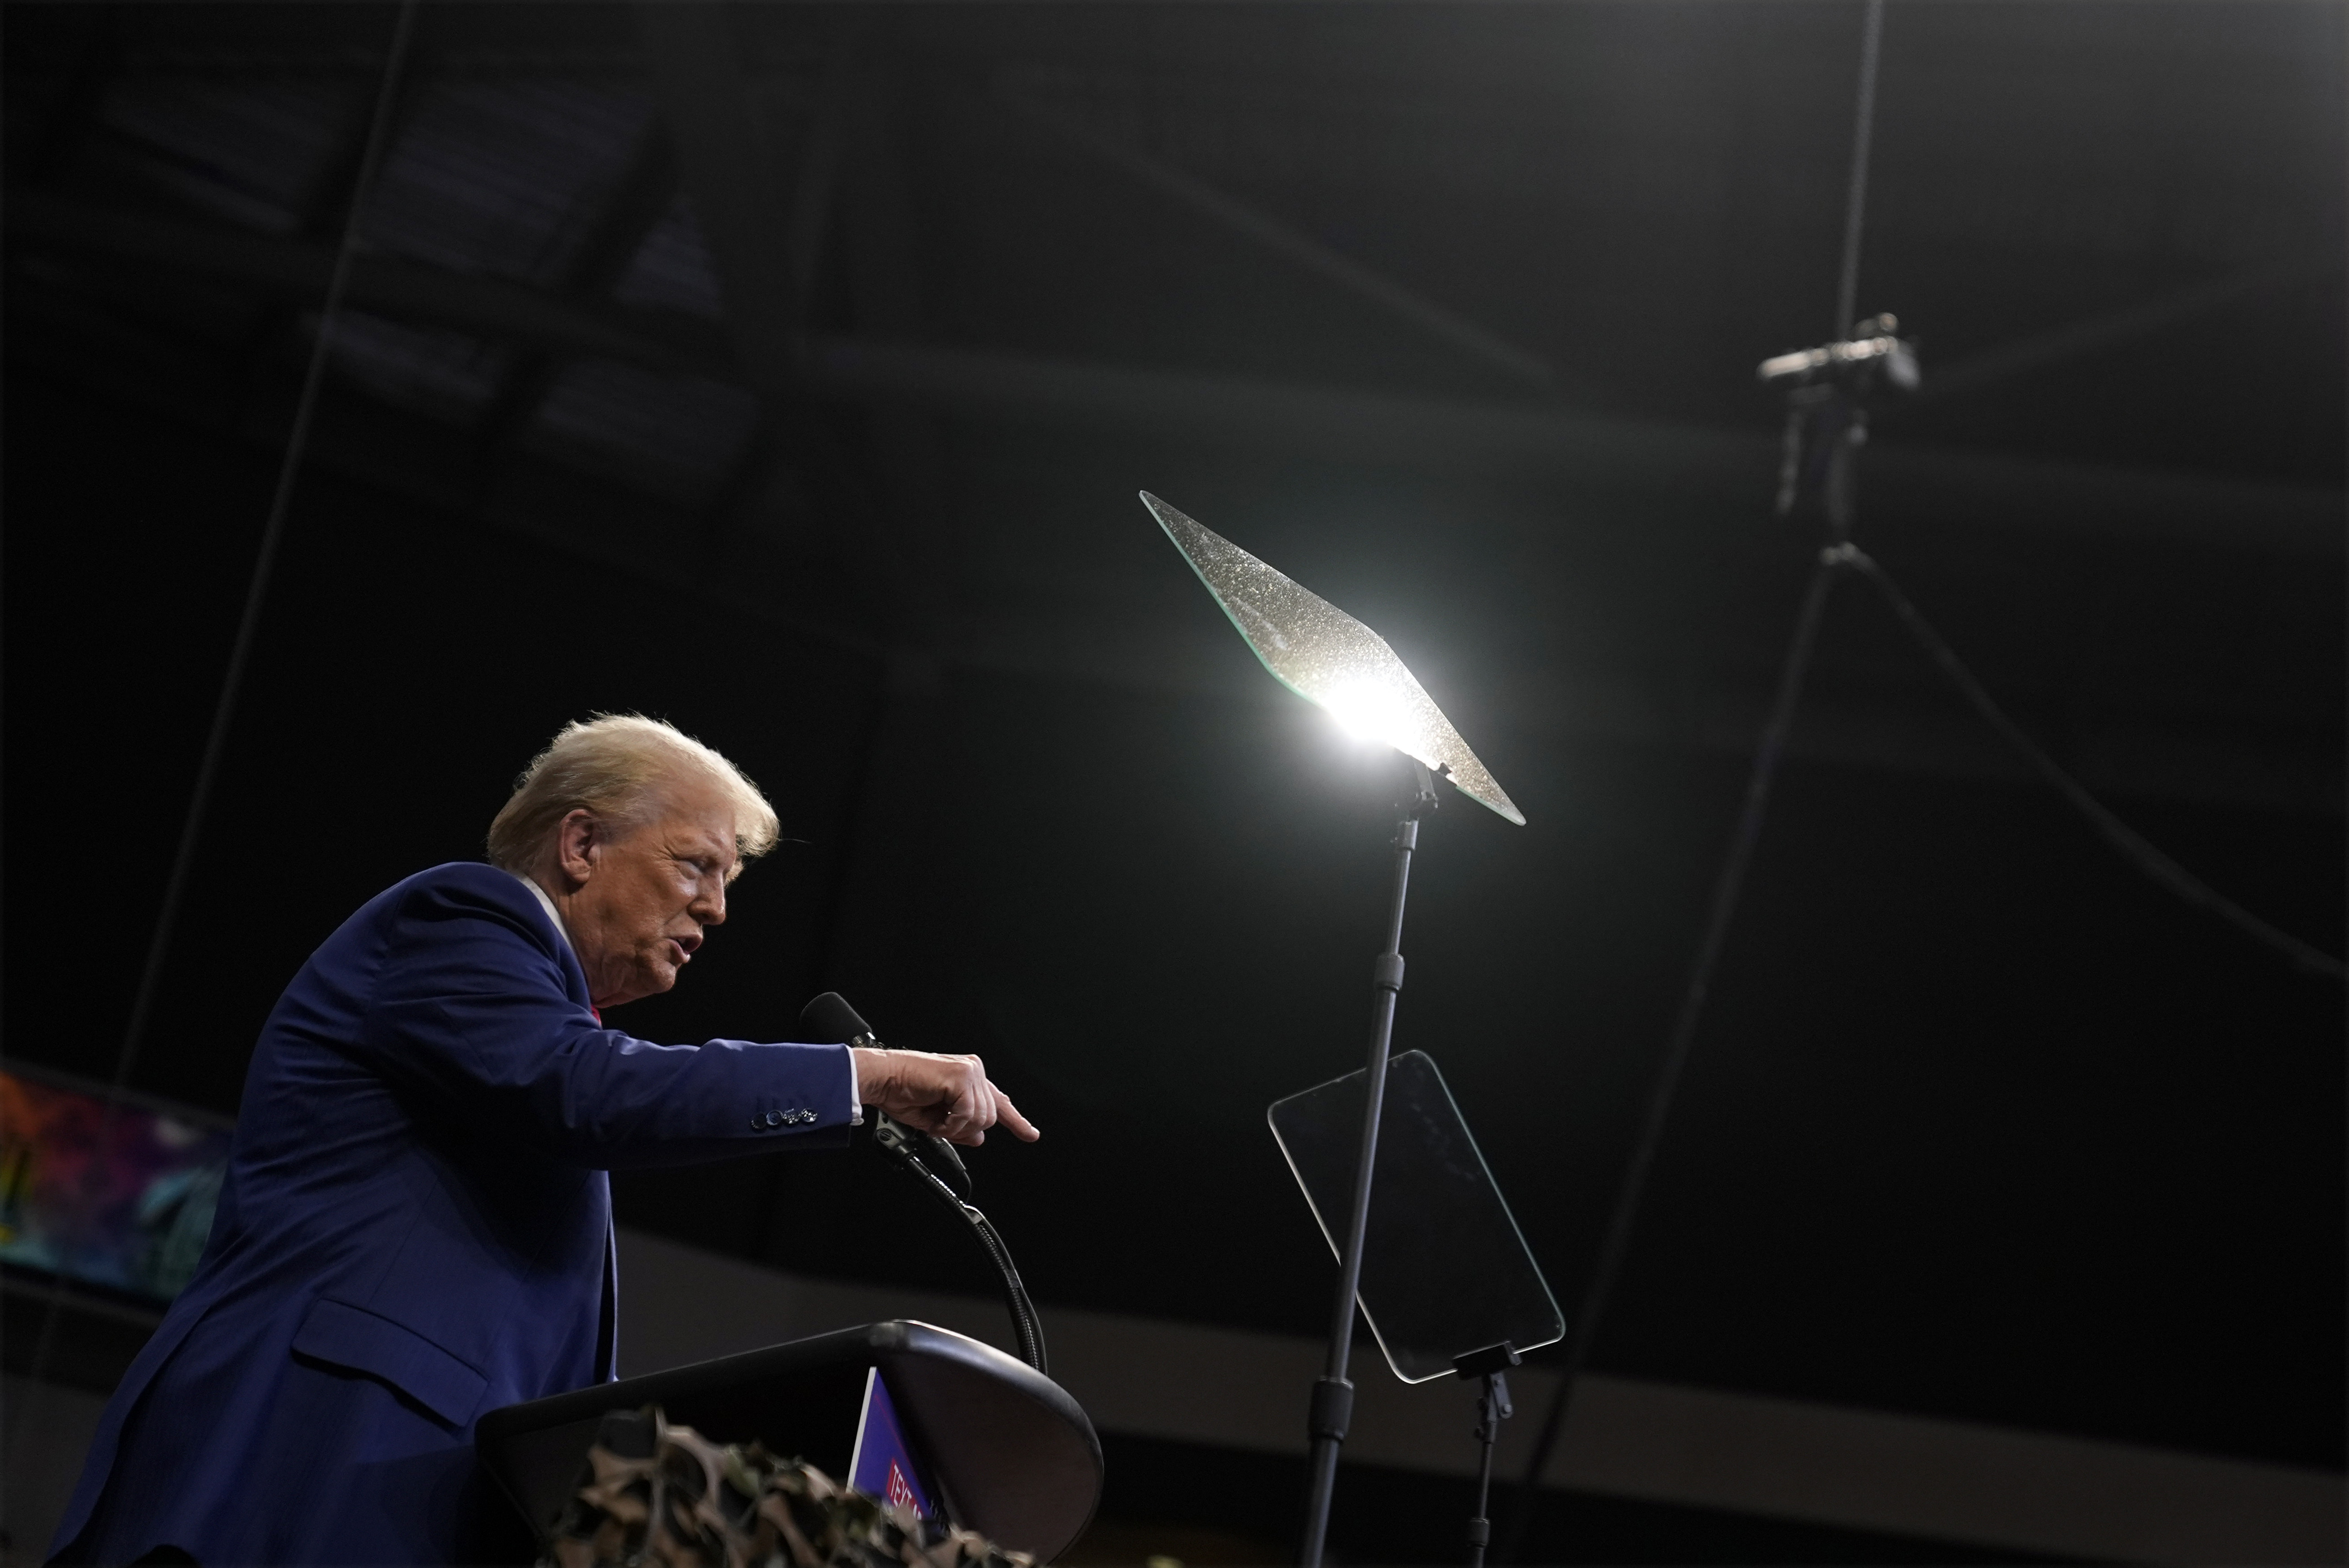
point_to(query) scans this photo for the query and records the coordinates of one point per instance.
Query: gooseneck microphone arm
(830, 1017)
(894, 1136)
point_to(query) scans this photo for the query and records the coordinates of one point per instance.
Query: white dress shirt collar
(546, 904)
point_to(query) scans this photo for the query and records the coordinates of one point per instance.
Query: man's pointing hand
(948, 1097)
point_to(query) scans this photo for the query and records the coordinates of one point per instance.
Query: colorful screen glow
(125, 1202)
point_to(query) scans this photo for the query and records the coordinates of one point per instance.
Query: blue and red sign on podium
(882, 1465)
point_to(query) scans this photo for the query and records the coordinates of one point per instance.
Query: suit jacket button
(758, 1122)
(774, 1119)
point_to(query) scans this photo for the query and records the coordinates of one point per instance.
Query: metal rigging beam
(1286, 241)
(1730, 465)
(641, 198)
(763, 215)
(74, 340)
(732, 172)
(664, 341)
(2118, 327)
(2111, 328)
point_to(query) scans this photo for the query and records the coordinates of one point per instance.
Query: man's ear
(578, 845)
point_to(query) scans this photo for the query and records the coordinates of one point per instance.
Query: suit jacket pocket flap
(344, 1336)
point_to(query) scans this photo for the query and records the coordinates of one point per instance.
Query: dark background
(1981, 1123)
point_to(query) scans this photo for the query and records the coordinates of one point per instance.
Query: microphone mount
(935, 1153)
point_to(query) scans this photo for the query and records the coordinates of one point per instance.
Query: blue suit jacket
(415, 1229)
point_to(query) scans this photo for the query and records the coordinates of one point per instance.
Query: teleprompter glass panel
(1445, 1268)
(1329, 658)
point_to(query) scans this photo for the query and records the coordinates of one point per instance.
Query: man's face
(637, 903)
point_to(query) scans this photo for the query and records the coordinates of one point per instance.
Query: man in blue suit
(416, 1227)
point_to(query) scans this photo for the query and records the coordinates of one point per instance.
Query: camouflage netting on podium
(657, 1496)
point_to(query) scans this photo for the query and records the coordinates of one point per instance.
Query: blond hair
(615, 764)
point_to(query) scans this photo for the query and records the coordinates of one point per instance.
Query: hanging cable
(1863, 139)
(2133, 846)
(264, 562)
(1730, 884)
(2153, 862)
(256, 594)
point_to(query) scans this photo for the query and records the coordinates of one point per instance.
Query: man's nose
(709, 906)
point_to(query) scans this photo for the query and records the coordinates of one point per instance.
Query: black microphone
(830, 1020)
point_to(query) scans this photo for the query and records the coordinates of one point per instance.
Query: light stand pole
(1332, 1408)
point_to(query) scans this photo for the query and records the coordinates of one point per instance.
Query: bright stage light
(1330, 659)
(1368, 712)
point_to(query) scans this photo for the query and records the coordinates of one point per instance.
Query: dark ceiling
(791, 370)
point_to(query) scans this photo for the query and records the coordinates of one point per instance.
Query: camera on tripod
(1873, 349)
(1826, 391)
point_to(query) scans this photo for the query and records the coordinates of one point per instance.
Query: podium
(1012, 1456)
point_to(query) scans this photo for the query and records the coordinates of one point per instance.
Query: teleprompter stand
(1492, 1407)
(1332, 1408)
(1332, 660)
